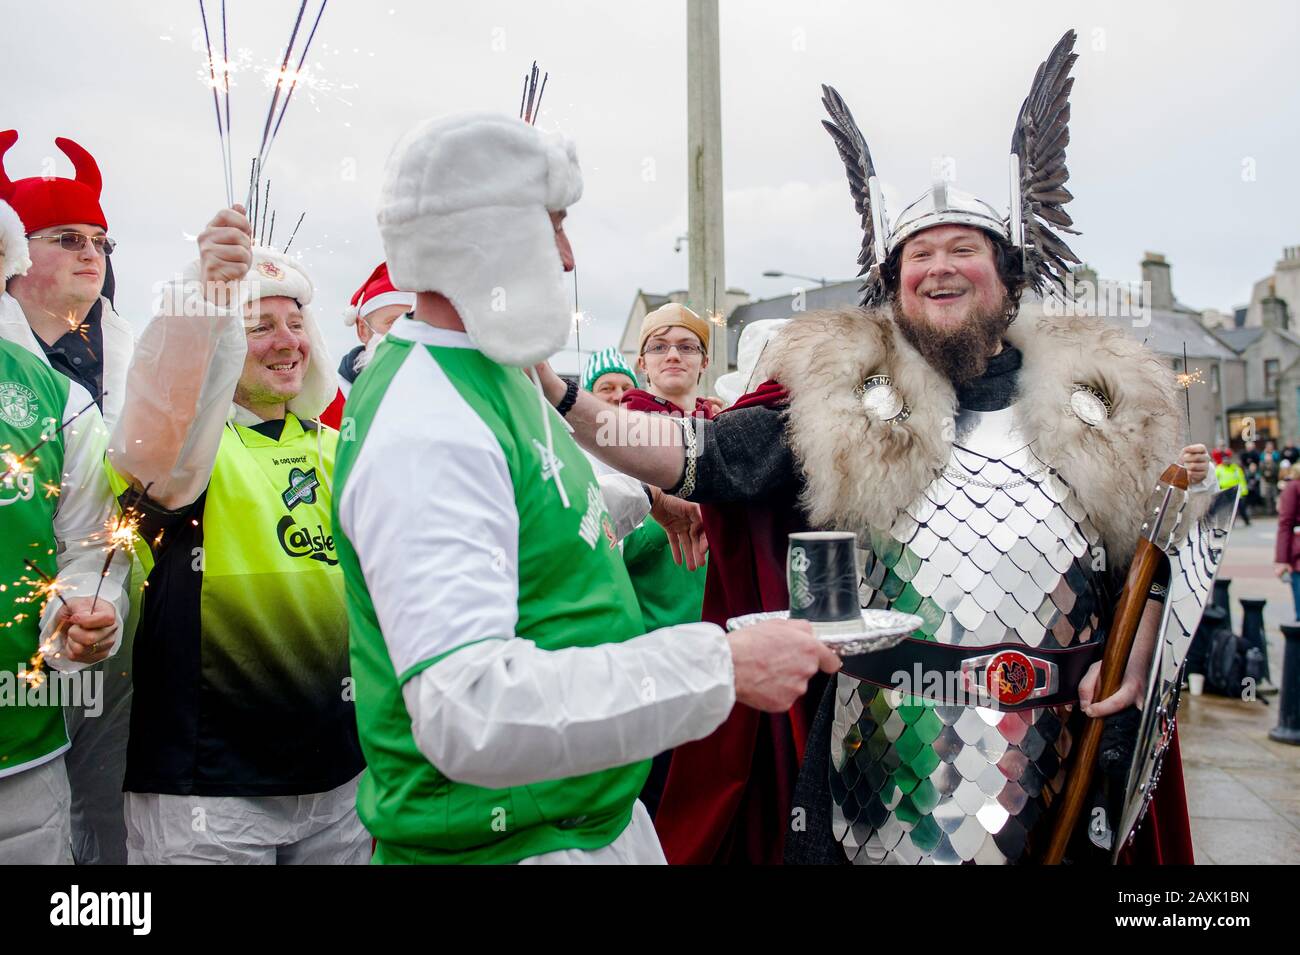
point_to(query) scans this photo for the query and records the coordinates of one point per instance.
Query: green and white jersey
(455, 539)
(52, 512)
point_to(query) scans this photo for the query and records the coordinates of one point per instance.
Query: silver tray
(878, 629)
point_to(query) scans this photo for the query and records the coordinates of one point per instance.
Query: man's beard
(960, 353)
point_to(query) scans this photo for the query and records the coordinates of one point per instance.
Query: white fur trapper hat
(273, 274)
(464, 212)
(13, 244)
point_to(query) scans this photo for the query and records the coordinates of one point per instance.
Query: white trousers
(316, 829)
(35, 816)
(638, 844)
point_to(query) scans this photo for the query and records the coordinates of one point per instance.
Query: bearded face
(951, 303)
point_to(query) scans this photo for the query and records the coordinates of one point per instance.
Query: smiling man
(61, 311)
(674, 355)
(243, 741)
(995, 469)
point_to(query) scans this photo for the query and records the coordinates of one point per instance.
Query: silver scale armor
(997, 550)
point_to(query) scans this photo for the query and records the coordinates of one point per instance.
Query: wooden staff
(1119, 643)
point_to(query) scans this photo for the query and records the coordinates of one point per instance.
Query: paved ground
(1243, 789)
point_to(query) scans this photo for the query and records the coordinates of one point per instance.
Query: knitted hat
(670, 315)
(376, 293)
(44, 201)
(604, 362)
(464, 212)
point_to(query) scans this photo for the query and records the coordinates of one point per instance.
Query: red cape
(727, 798)
(638, 399)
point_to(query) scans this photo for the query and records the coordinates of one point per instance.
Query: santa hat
(13, 244)
(275, 274)
(42, 201)
(464, 212)
(375, 293)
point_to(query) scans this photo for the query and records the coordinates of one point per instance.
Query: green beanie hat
(604, 362)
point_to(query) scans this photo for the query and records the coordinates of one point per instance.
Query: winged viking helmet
(1037, 174)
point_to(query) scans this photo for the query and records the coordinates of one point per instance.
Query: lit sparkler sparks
(1186, 378)
(42, 589)
(119, 531)
(16, 465)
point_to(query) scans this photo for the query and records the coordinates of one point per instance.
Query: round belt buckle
(1010, 677)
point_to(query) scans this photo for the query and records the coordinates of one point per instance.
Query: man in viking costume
(996, 472)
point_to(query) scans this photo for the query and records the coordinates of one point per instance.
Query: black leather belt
(1004, 676)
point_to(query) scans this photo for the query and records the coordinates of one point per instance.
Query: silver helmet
(1037, 178)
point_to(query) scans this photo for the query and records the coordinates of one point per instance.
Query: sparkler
(530, 105)
(1185, 381)
(275, 97)
(42, 589)
(577, 311)
(216, 102)
(297, 72)
(716, 317)
(294, 233)
(18, 464)
(120, 530)
(265, 205)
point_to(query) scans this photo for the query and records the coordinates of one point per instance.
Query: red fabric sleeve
(1286, 508)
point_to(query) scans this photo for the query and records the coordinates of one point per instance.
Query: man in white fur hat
(243, 740)
(508, 703)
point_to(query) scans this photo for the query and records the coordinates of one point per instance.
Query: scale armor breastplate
(996, 550)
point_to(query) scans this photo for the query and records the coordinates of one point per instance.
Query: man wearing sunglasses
(61, 311)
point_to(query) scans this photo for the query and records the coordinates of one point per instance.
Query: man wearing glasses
(61, 311)
(674, 354)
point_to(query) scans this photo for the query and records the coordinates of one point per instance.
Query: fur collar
(859, 472)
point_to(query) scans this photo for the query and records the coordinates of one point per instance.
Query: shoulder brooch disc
(881, 400)
(1089, 405)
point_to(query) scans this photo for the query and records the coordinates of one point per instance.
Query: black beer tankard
(821, 571)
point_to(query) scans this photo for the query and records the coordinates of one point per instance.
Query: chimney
(1290, 258)
(1273, 313)
(1155, 275)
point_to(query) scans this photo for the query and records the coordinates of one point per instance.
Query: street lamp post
(775, 274)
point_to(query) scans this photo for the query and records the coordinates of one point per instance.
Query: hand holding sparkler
(89, 632)
(1196, 459)
(225, 254)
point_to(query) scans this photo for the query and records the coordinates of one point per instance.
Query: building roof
(838, 295)
(1169, 332)
(1239, 339)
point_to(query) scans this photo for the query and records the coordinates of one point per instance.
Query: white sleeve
(85, 506)
(626, 501)
(429, 509)
(178, 392)
(1210, 484)
(507, 713)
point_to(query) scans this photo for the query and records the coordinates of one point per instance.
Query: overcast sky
(1185, 128)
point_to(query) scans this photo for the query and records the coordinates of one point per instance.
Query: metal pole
(704, 175)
